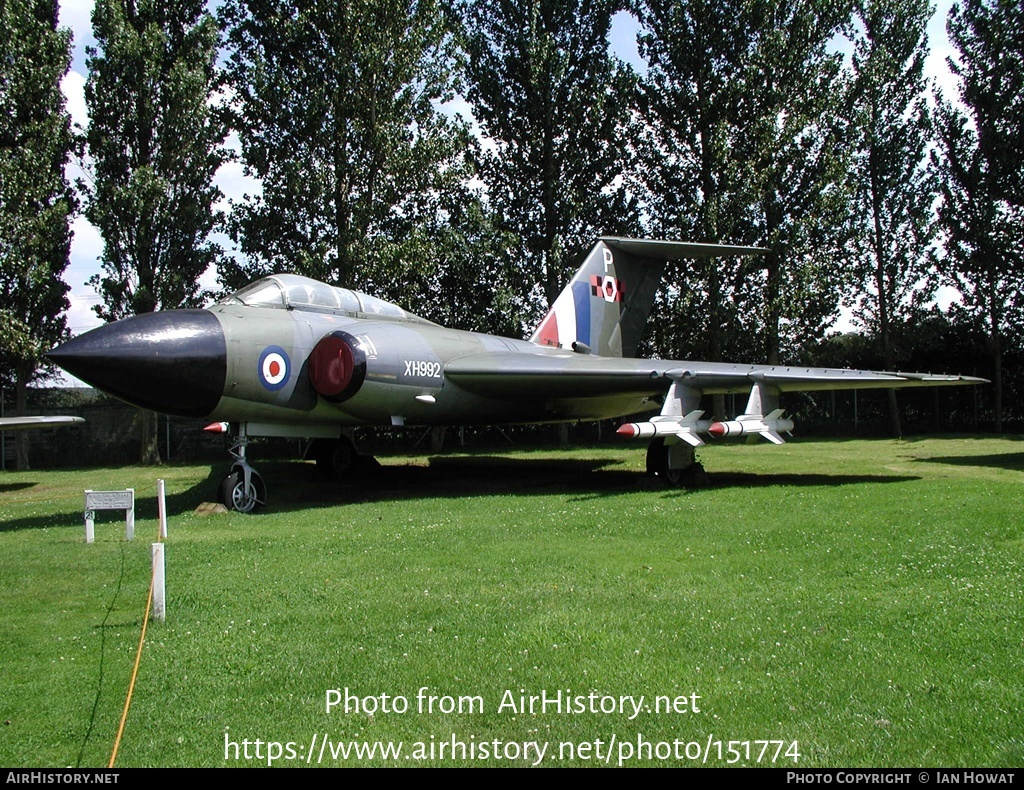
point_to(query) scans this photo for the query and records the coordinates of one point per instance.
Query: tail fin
(604, 308)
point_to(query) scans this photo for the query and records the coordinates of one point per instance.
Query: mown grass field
(862, 598)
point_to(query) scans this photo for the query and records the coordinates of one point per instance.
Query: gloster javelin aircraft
(290, 356)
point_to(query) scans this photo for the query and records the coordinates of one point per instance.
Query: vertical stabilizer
(605, 306)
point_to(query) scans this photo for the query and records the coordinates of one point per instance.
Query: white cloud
(86, 248)
(77, 15)
(81, 316)
(231, 178)
(73, 88)
(936, 67)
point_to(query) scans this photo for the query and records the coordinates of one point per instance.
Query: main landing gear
(675, 464)
(337, 459)
(243, 489)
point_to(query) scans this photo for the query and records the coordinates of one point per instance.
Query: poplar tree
(154, 146)
(552, 105)
(337, 109)
(685, 168)
(893, 195)
(745, 142)
(36, 203)
(981, 170)
(793, 138)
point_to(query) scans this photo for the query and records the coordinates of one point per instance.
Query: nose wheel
(243, 489)
(236, 493)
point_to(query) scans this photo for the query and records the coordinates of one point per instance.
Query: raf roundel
(273, 368)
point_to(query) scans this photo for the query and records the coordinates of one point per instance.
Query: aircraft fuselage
(247, 364)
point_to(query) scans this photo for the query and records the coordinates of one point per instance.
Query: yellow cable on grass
(138, 658)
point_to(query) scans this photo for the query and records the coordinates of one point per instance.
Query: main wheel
(657, 456)
(672, 477)
(335, 458)
(658, 463)
(235, 495)
(343, 459)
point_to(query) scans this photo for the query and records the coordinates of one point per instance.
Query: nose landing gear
(243, 489)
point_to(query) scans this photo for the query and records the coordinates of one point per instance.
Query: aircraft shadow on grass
(1010, 461)
(455, 477)
(444, 478)
(7, 488)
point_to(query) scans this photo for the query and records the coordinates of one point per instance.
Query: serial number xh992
(422, 368)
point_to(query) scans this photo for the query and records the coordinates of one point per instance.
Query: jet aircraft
(290, 356)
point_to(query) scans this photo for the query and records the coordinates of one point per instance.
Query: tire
(672, 477)
(657, 456)
(235, 496)
(336, 459)
(691, 476)
(657, 463)
(343, 459)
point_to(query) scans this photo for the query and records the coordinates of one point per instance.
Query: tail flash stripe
(548, 334)
(564, 309)
(581, 295)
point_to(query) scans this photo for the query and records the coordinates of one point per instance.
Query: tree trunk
(21, 437)
(997, 363)
(773, 319)
(883, 291)
(895, 428)
(149, 450)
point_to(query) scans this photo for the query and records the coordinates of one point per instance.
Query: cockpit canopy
(294, 292)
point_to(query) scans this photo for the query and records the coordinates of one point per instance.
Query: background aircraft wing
(515, 375)
(29, 423)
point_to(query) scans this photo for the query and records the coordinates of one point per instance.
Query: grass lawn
(863, 599)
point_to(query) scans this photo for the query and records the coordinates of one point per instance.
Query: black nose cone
(173, 362)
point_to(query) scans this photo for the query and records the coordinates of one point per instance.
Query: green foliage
(981, 170)
(471, 282)
(893, 195)
(743, 141)
(687, 173)
(793, 140)
(337, 108)
(36, 202)
(17, 346)
(155, 146)
(552, 103)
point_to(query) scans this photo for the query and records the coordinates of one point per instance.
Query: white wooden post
(90, 526)
(129, 518)
(161, 507)
(159, 593)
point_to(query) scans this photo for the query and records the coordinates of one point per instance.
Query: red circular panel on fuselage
(331, 365)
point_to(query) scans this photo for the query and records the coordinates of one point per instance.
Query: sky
(87, 245)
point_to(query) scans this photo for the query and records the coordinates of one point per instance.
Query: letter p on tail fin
(605, 306)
